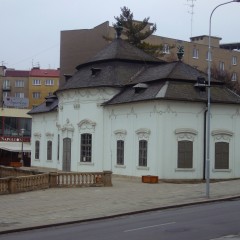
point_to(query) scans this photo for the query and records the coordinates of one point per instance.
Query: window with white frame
(221, 66)
(234, 60)
(166, 48)
(120, 142)
(19, 83)
(222, 139)
(37, 149)
(142, 154)
(185, 147)
(19, 95)
(185, 154)
(86, 147)
(120, 152)
(6, 84)
(221, 155)
(36, 95)
(49, 150)
(143, 138)
(234, 76)
(36, 82)
(49, 82)
(195, 53)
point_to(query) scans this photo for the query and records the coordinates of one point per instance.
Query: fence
(28, 182)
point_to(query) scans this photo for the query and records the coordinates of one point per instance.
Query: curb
(229, 198)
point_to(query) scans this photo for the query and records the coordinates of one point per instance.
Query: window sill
(37, 160)
(184, 169)
(86, 163)
(222, 170)
(49, 160)
(195, 57)
(120, 166)
(142, 168)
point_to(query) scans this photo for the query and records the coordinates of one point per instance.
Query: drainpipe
(204, 143)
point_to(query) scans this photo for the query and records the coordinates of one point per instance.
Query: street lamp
(22, 132)
(209, 101)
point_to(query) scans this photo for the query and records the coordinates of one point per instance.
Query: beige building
(78, 46)
(27, 89)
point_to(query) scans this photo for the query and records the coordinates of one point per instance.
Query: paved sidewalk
(58, 205)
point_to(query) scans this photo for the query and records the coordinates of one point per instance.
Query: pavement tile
(60, 205)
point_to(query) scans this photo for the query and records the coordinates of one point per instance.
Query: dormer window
(140, 87)
(95, 71)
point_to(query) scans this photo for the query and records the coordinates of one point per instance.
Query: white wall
(161, 123)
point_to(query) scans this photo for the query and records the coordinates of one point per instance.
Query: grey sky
(30, 29)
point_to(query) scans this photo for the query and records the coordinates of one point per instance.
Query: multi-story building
(42, 83)
(19, 92)
(78, 46)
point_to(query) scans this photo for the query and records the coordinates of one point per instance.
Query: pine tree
(137, 31)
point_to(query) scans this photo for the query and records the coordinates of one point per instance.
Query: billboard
(16, 102)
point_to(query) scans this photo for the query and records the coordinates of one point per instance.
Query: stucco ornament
(86, 125)
(185, 134)
(120, 134)
(67, 126)
(143, 133)
(222, 135)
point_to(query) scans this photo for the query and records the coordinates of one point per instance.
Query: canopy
(15, 146)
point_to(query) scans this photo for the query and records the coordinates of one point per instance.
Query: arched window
(120, 152)
(37, 149)
(142, 157)
(49, 150)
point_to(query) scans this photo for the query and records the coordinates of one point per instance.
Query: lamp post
(22, 132)
(209, 101)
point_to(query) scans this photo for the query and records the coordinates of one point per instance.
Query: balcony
(6, 88)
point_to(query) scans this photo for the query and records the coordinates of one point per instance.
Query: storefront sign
(14, 139)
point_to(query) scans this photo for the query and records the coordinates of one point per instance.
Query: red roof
(16, 73)
(36, 72)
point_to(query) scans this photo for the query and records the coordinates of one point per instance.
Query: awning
(15, 146)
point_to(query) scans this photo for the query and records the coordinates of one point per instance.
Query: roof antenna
(191, 5)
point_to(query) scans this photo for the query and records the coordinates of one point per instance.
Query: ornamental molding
(185, 134)
(37, 134)
(120, 134)
(86, 124)
(222, 135)
(49, 135)
(67, 126)
(143, 133)
(132, 112)
(76, 105)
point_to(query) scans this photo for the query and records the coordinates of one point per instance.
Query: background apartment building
(42, 83)
(20, 91)
(78, 46)
(26, 89)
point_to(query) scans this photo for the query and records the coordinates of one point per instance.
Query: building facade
(135, 115)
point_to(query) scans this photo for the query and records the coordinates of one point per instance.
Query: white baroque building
(135, 115)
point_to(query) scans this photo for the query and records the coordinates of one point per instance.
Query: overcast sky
(30, 29)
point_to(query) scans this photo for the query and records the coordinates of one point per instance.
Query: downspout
(204, 143)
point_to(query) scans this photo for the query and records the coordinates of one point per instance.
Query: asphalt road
(199, 222)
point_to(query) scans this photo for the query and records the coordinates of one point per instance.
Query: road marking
(152, 226)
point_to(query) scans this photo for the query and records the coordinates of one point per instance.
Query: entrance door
(66, 155)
